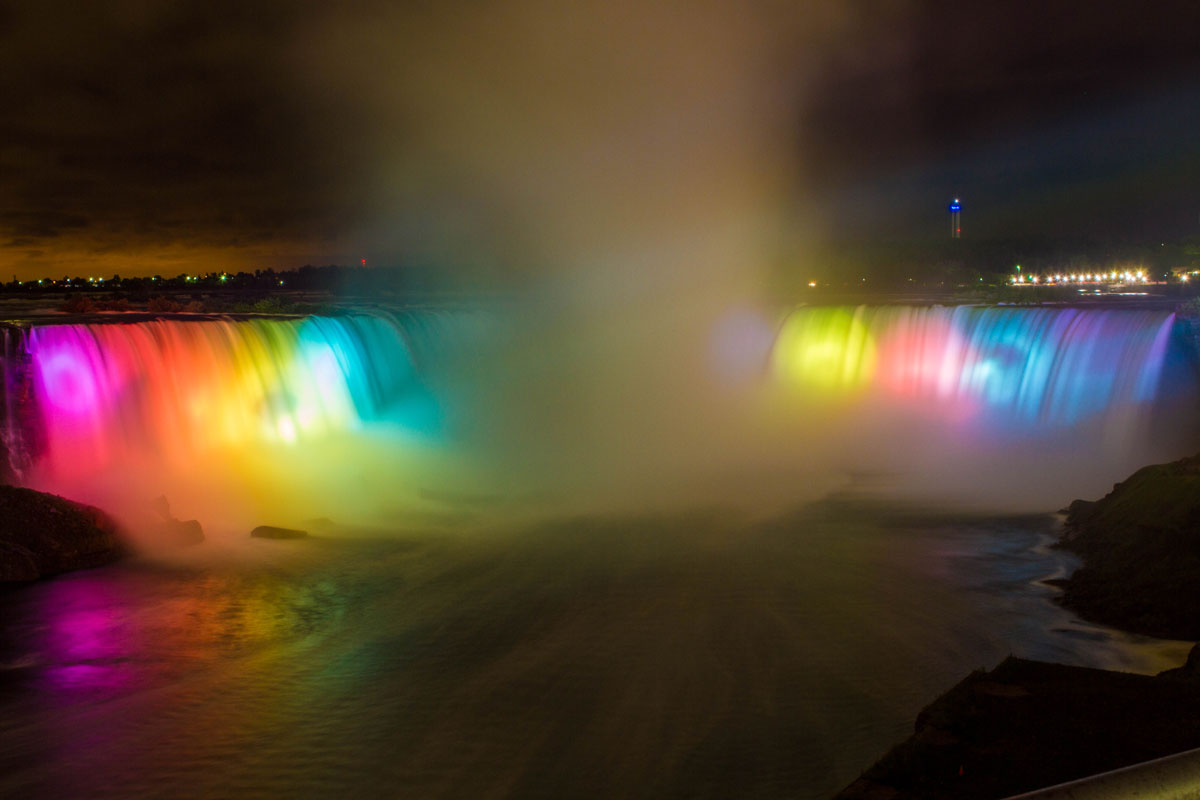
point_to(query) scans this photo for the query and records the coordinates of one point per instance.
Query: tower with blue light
(955, 224)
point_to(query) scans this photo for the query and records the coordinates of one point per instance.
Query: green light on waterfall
(825, 348)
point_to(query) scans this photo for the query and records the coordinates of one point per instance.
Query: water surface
(693, 655)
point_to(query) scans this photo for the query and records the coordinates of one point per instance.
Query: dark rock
(173, 532)
(1190, 668)
(178, 532)
(43, 534)
(161, 506)
(1027, 725)
(272, 532)
(1080, 511)
(1140, 546)
(17, 563)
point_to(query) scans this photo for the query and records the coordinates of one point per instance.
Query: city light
(1113, 276)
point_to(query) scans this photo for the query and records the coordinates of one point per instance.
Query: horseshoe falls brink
(399, 417)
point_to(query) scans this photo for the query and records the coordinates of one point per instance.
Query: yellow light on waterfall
(287, 430)
(825, 348)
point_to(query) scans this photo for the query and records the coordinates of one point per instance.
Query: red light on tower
(955, 209)
(364, 262)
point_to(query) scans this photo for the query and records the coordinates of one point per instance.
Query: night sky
(145, 137)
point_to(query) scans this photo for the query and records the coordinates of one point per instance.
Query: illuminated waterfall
(379, 416)
(1038, 367)
(100, 410)
(184, 387)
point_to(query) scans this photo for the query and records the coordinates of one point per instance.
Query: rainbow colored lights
(182, 388)
(1029, 366)
(374, 415)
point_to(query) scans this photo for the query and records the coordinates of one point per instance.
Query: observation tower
(955, 208)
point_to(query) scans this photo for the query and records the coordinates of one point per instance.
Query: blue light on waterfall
(1026, 367)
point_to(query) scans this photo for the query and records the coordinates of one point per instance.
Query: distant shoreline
(1026, 725)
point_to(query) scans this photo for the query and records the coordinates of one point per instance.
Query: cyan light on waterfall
(1004, 367)
(244, 398)
(376, 414)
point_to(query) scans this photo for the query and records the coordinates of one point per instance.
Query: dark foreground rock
(1028, 724)
(1140, 547)
(171, 532)
(272, 532)
(177, 532)
(42, 534)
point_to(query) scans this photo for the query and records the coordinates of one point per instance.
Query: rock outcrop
(177, 532)
(1027, 725)
(171, 532)
(272, 532)
(43, 534)
(1140, 547)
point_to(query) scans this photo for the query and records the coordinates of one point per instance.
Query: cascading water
(998, 407)
(20, 432)
(271, 406)
(355, 415)
(1011, 367)
(183, 387)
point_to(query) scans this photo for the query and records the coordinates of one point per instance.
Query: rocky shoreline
(43, 534)
(1026, 725)
(1140, 546)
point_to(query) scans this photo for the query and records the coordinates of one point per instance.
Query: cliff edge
(43, 534)
(1140, 546)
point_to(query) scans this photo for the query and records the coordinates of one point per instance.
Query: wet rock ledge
(1026, 725)
(43, 534)
(1140, 546)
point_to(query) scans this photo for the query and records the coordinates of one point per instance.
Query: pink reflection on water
(86, 641)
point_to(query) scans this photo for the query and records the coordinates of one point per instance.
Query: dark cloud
(245, 134)
(30, 226)
(160, 123)
(1056, 118)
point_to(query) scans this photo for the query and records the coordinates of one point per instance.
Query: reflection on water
(694, 655)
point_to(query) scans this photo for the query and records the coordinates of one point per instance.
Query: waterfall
(385, 414)
(115, 412)
(1018, 367)
(19, 432)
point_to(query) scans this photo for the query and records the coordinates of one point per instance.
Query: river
(702, 654)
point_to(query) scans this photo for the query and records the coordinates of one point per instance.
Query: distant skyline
(145, 137)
